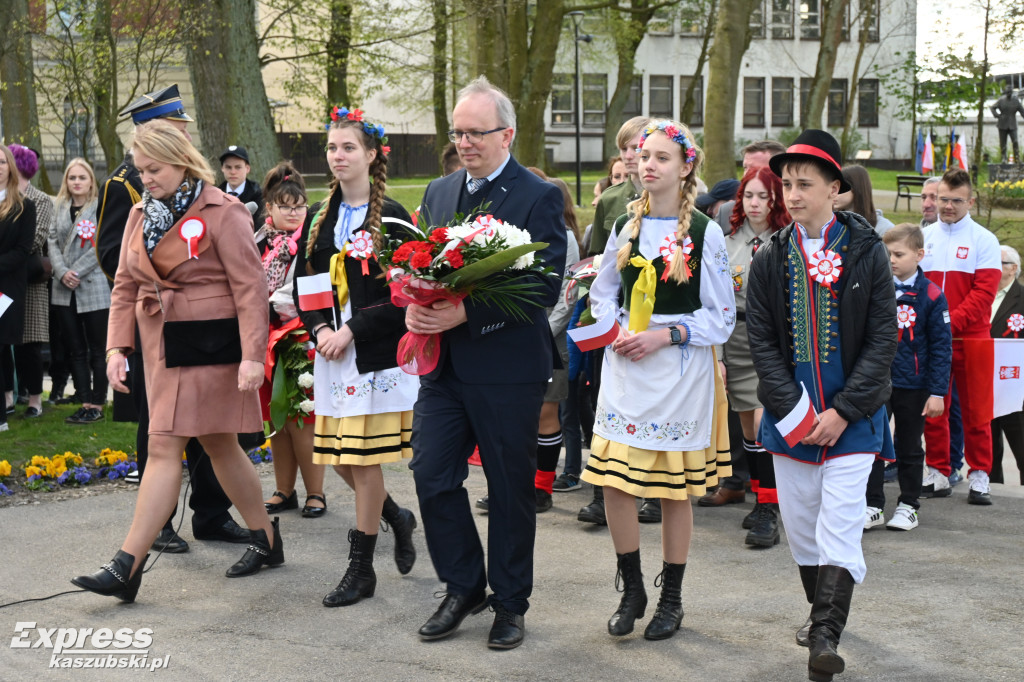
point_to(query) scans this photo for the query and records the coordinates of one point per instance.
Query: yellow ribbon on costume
(641, 301)
(338, 279)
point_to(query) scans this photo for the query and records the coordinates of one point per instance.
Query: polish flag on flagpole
(597, 335)
(800, 420)
(315, 292)
(960, 151)
(928, 155)
(1008, 376)
(5, 303)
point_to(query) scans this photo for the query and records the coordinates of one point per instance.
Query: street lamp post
(577, 19)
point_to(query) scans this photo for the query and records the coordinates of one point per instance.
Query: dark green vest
(670, 298)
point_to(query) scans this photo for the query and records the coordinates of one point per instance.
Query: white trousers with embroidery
(823, 509)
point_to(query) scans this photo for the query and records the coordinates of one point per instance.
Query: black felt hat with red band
(819, 147)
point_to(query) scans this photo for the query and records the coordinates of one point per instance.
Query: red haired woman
(759, 212)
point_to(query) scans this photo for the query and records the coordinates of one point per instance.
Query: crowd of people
(768, 330)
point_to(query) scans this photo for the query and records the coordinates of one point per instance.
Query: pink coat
(226, 280)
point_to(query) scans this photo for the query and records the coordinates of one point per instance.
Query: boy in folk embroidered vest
(920, 375)
(821, 317)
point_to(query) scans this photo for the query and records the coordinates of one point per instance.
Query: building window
(697, 117)
(871, 21)
(661, 23)
(782, 19)
(634, 102)
(753, 102)
(76, 131)
(782, 102)
(595, 98)
(660, 105)
(757, 21)
(810, 20)
(837, 103)
(867, 103)
(691, 26)
(563, 101)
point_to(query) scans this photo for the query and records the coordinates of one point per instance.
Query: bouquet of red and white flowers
(482, 260)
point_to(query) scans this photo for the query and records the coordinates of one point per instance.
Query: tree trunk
(488, 38)
(104, 91)
(533, 88)
(230, 98)
(709, 28)
(338, 50)
(440, 77)
(731, 41)
(862, 41)
(628, 32)
(831, 34)
(17, 80)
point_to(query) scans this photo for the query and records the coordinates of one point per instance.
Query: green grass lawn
(48, 435)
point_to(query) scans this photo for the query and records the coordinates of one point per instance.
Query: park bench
(908, 187)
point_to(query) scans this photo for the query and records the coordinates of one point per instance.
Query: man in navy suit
(489, 383)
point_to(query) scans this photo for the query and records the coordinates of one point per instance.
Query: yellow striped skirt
(364, 440)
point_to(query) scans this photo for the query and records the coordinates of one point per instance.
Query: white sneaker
(904, 518)
(935, 484)
(4, 427)
(874, 517)
(979, 490)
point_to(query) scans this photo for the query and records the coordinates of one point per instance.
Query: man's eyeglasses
(291, 210)
(951, 201)
(474, 136)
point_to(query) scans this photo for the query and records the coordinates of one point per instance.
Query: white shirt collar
(803, 230)
(496, 173)
(236, 190)
(910, 281)
(953, 227)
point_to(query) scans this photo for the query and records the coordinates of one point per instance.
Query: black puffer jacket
(867, 323)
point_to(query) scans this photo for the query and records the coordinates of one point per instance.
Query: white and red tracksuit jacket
(963, 259)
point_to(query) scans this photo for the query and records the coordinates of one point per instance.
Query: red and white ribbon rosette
(1014, 324)
(86, 231)
(905, 319)
(668, 249)
(191, 231)
(826, 267)
(361, 247)
(487, 224)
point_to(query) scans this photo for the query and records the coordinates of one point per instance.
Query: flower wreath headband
(374, 131)
(675, 134)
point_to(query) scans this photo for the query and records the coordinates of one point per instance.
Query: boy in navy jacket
(920, 375)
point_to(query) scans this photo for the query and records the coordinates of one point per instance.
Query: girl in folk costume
(660, 428)
(284, 192)
(363, 399)
(80, 295)
(759, 213)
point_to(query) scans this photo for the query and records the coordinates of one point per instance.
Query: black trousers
(85, 336)
(28, 362)
(60, 365)
(450, 418)
(208, 501)
(1012, 425)
(905, 407)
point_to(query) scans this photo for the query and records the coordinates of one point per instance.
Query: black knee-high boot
(829, 612)
(359, 581)
(634, 597)
(809, 579)
(402, 521)
(669, 614)
(112, 579)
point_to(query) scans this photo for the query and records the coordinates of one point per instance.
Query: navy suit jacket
(493, 347)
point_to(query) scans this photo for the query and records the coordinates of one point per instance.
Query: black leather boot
(359, 581)
(829, 612)
(650, 510)
(259, 553)
(594, 512)
(669, 613)
(112, 579)
(634, 597)
(402, 521)
(809, 578)
(765, 531)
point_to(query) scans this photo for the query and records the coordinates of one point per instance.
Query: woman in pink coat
(191, 284)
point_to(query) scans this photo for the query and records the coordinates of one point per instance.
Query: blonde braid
(635, 210)
(379, 173)
(314, 229)
(677, 271)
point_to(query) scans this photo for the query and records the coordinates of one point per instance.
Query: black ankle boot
(402, 521)
(829, 612)
(634, 597)
(594, 512)
(669, 614)
(359, 581)
(809, 579)
(765, 531)
(259, 553)
(112, 579)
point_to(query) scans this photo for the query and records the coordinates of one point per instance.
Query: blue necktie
(475, 184)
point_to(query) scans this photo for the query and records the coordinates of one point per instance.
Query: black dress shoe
(229, 532)
(288, 502)
(32, 412)
(508, 629)
(170, 542)
(543, 500)
(484, 503)
(650, 511)
(314, 512)
(450, 615)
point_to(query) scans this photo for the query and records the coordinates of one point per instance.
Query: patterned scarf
(159, 215)
(281, 248)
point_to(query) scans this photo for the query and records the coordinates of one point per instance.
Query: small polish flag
(597, 335)
(800, 420)
(315, 292)
(5, 303)
(928, 155)
(1008, 381)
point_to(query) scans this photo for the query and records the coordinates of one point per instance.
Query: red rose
(439, 235)
(420, 260)
(455, 258)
